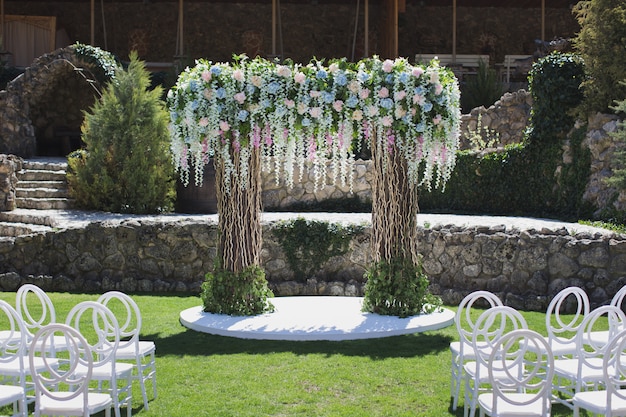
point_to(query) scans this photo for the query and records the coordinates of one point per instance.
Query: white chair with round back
(101, 330)
(490, 327)
(12, 341)
(617, 301)
(131, 348)
(461, 351)
(526, 390)
(62, 391)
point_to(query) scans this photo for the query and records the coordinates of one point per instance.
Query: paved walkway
(78, 218)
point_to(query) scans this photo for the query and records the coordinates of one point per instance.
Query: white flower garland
(315, 113)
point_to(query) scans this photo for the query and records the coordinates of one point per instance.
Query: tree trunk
(239, 213)
(394, 208)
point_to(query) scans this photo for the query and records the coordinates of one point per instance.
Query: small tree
(601, 44)
(126, 165)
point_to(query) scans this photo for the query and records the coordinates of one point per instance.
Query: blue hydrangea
(250, 89)
(341, 79)
(386, 103)
(242, 115)
(420, 127)
(306, 122)
(273, 87)
(281, 111)
(328, 97)
(216, 70)
(363, 76)
(419, 90)
(321, 74)
(389, 79)
(195, 105)
(220, 93)
(404, 77)
(428, 106)
(352, 101)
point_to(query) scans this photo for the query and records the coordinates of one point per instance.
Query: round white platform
(313, 318)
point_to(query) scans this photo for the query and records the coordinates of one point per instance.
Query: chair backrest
(127, 313)
(491, 325)
(524, 356)
(463, 319)
(62, 383)
(614, 369)
(618, 298)
(590, 347)
(34, 307)
(100, 329)
(570, 300)
(13, 342)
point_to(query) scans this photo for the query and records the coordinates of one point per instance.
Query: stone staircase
(41, 187)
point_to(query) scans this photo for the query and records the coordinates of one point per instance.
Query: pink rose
(364, 93)
(437, 119)
(240, 97)
(315, 112)
(387, 65)
(314, 93)
(438, 89)
(283, 71)
(204, 122)
(299, 77)
(224, 126)
(206, 76)
(399, 95)
(387, 121)
(238, 75)
(383, 92)
(289, 103)
(338, 105)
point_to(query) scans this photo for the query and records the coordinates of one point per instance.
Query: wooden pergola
(389, 22)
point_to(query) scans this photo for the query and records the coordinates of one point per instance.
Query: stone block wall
(524, 267)
(9, 166)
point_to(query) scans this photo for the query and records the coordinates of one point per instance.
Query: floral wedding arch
(253, 115)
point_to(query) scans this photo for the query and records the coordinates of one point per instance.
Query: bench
(468, 61)
(519, 64)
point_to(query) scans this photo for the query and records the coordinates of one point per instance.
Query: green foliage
(237, 294)
(126, 166)
(554, 83)
(398, 288)
(601, 42)
(309, 244)
(517, 180)
(102, 63)
(484, 89)
(619, 157)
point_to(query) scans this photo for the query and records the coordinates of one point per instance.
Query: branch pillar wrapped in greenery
(252, 115)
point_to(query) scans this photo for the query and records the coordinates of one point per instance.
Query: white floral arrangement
(315, 115)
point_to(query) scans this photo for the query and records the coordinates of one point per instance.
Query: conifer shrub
(125, 166)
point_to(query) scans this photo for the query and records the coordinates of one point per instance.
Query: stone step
(46, 164)
(41, 192)
(9, 229)
(28, 216)
(41, 175)
(42, 184)
(43, 203)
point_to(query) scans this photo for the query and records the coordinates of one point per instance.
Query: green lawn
(204, 375)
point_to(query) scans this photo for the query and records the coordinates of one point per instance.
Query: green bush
(554, 83)
(398, 288)
(600, 42)
(126, 166)
(243, 294)
(483, 89)
(530, 178)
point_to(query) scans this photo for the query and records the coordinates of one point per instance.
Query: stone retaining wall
(9, 166)
(524, 267)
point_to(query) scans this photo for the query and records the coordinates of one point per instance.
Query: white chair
(461, 350)
(584, 371)
(612, 400)
(489, 328)
(36, 310)
(617, 301)
(141, 352)
(61, 391)
(526, 389)
(564, 316)
(14, 365)
(15, 396)
(101, 330)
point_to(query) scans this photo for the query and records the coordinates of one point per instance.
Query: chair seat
(128, 352)
(596, 402)
(471, 370)
(568, 368)
(10, 393)
(505, 408)
(74, 406)
(560, 346)
(13, 367)
(104, 373)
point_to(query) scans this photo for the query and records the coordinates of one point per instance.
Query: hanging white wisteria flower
(315, 114)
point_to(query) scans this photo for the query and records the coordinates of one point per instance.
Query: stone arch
(41, 111)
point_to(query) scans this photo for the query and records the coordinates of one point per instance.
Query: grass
(204, 375)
